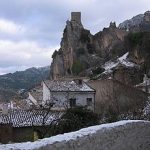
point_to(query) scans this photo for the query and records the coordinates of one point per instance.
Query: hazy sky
(30, 30)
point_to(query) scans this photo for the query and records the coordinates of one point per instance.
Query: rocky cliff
(80, 50)
(84, 54)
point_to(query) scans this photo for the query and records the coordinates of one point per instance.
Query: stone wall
(5, 133)
(23, 134)
(114, 94)
(123, 135)
(130, 137)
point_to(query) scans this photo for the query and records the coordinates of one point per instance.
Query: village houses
(63, 94)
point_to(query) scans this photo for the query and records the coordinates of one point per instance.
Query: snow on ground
(66, 136)
(121, 60)
(110, 65)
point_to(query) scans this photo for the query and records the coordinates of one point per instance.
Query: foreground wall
(122, 135)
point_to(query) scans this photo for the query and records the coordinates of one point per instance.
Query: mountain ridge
(12, 84)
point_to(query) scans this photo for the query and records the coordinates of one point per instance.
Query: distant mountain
(137, 23)
(13, 83)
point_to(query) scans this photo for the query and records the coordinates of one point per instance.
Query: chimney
(78, 81)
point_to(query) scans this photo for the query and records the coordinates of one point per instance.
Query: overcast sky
(30, 30)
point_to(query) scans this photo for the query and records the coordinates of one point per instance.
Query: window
(72, 102)
(89, 101)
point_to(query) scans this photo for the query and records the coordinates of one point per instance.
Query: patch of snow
(108, 66)
(66, 136)
(146, 110)
(123, 60)
(124, 57)
(66, 85)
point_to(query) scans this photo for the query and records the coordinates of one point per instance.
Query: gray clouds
(30, 30)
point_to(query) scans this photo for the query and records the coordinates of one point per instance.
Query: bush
(98, 70)
(84, 36)
(111, 116)
(77, 67)
(75, 119)
(90, 48)
(80, 51)
(135, 39)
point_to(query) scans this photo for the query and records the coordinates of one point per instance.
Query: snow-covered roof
(22, 118)
(67, 85)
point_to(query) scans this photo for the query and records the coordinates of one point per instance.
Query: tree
(76, 118)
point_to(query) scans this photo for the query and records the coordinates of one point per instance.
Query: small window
(72, 102)
(89, 101)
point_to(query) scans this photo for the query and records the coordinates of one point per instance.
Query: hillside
(13, 83)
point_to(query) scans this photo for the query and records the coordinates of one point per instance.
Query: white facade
(63, 99)
(34, 101)
(46, 94)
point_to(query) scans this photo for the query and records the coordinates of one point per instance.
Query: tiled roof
(22, 118)
(67, 85)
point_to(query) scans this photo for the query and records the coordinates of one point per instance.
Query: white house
(64, 94)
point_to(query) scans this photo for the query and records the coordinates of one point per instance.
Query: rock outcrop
(80, 50)
(108, 41)
(84, 54)
(63, 58)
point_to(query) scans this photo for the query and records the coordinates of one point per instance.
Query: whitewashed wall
(46, 93)
(32, 99)
(81, 98)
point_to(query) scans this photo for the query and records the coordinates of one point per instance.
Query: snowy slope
(121, 60)
(110, 65)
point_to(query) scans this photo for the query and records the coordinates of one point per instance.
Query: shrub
(69, 71)
(75, 119)
(84, 36)
(111, 116)
(77, 67)
(98, 70)
(80, 51)
(90, 48)
(135, 39)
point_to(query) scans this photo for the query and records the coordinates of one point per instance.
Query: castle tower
(76, 17)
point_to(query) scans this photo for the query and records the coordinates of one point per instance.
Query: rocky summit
(84, 54)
